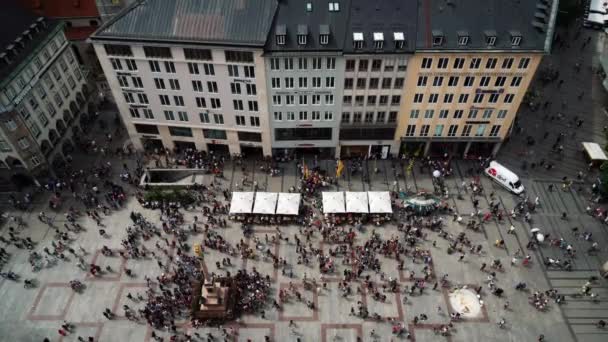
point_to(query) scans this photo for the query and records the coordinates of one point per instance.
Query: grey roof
(532, 20)
(235, 22)
(292, 15)
(385, 16)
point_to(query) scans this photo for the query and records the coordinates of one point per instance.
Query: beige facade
(462, 103)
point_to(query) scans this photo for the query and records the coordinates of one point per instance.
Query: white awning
(288, 204)
(356, 202)
(398, 36)
(594, 151)
(265, 203)
(379, 202)
(333, 202)
(358, 36)
(378, 36)
(241, 203)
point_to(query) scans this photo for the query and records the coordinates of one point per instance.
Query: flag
(339, 168)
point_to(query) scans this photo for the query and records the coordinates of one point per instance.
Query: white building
(190, 73)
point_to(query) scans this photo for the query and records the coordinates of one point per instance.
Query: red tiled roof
(63, 8)
(79, 33)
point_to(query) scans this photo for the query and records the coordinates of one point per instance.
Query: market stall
(357, 202)
(265, 203)
(333, 203)
(241, 203)
(379, 202)
(288, 204)
(594, 152)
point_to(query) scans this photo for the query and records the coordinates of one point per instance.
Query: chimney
(27, 34)
(34, 28)
(5, 58)
(19, 42)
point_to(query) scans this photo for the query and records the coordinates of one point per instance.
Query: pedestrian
(511, 230)
(483, 266)
(461, 257)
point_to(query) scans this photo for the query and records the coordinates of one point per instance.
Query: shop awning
(356, 202)
(379, 202)
(594, 151)
(333, 202)
(288, 204)
(265, 203)
(241, 203)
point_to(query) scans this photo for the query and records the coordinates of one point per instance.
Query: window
(116, 65)
(515, 40)
(478, 98)
(491, 40)
(395, 100)
(179, 101)
(233, 70)
(302, 63)
(348, 83)
(291, 116)
(170, 67)
(278, 116)
(453, 81)
(437, 81)
(371, 100)
(452, 130)
(71, 82)
(472, 113)
(458, 63)
(463, 40)
(316, 82)
(303, 116)
(438, 130)
(51, 108)
(485, 81)
(303, 82)
(458, 114)
(350, 65)
(235, 88)
(193, 69)
(201, 102)
(523, 63)
(502, 114)
(59, 100)
(509, 98)
(500, 81)
(180, 131)
(380, 117)
(329, 99)
(238, 56)
(427, 63)
(516, 81)
(249, 71)
(209, 69)
(154, 66)
(466, 131)
(197, 54)
(214, 134)
(443, 63)
(443, 114)
(275, 83)
(347, 100)
(428, 114)
(249, 136)
(373, 83)
(463, 98)
(157, 52)
(288, 62)
(212, 87)
(288, 82)
(475, 63)
(218, 119)
(469, 81)
(493, 98)
(494, 131)
(383, 100)
(4, 146)
(240, 120)
(316, 115)
(148, 113)
(290, 100)
(414, 113)
(137, 83)
(122, 81)
(169, 115)
(134, 112)
(376, 64)
(448, 98)
(117, 50)
(23, 143)
(129, 97)
(280, 39)
(334, 6)
(507, 63)
(131, 65)
(146, 129)
(329, 82)
(487, 113)
(369, 117)
(437, 39)
(424, 131)
(197, 86)
(357, 117)
(363, 65)
(345, 117)
(251, 89)
(491, 63)
(174, 84)
(481, 129)
(433, 98)
(301, 39)
(276, 100)
(237, 104)
(331, 63)
(316, 63)
(183, 116)
(43, 119)
(324, 39)
(10, 125)
(410, 131)
(303, 99)
(274, 64)
(204, 117)
(253, 106)
(422, 80)
(418, 98)
(284, 134)
(143, 98)
(215, 103)
(386, 83)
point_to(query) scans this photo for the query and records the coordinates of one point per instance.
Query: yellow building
(467, 78)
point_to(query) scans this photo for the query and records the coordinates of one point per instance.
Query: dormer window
(490, 37)
(515, 38)
(378, 40)
(324, 34)
(437, 38)
(358, 40)
(309, 7)
(281, 34)
(302, 34)
(463, 38)
(334, 6)
(399, 39)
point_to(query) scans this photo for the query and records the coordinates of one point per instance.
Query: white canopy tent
(288, 204)
(265, 203)
(595, 152)
(379, 202)
(333, 202)
(356, 202)
(241, 203)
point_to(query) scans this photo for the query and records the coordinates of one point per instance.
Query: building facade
(468, 78)
(42, 92)
(182, 84)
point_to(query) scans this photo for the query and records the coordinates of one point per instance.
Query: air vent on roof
(538, 26)
(542, 8)
(11, 51)
(27, 35)
(540, 16)
(41, 21)
(5, 58)
(34, 28)
(19, 42)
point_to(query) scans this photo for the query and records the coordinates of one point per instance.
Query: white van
(504, 177)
